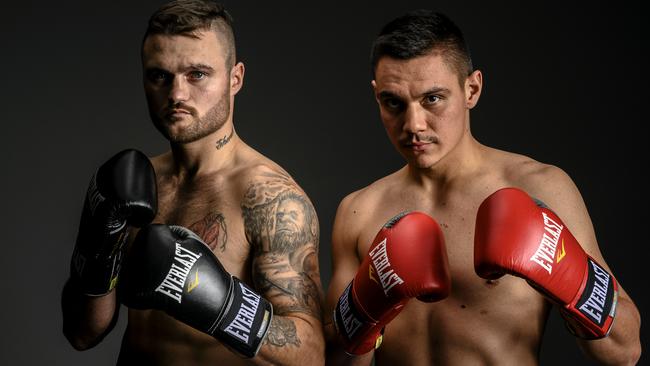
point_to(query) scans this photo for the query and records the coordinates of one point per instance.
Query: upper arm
(557, 190)
(282, 227)
(345, 261)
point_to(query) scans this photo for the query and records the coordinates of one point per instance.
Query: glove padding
(171, 269)
(121, 194)
(407, 259)
(520, 236)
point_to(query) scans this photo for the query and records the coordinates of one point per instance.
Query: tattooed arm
(282, 228)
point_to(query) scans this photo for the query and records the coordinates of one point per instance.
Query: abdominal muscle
(155, 338)
(494, 324)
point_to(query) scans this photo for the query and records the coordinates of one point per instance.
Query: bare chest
(465, 320)
(455, 213)
(214, 213)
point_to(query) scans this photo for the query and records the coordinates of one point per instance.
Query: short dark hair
(186, 17)
(418, 33)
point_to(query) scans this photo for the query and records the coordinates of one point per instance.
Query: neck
(208, 154)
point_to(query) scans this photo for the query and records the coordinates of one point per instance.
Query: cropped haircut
(187, 17)
(421, 32)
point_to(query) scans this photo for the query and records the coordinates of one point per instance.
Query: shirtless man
(425, 87)
(251, 214)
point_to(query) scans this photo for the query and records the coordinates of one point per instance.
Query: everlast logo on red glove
(545, 254)
(381, 264)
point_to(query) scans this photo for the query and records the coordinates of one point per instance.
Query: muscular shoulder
(358, 209)
(359, 205)
(274, 205)
(545, 182)
(161, 163)
(536, 178)
(551, 185)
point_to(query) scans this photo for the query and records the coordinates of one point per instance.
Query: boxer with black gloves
(260, 230)
(425, 86)
(121, 195)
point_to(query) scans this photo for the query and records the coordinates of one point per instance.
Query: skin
(425, 111)
(251, 213)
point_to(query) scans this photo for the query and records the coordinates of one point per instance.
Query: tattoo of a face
(282, 331)
(212, 229)
(224, 140)
(282, 227)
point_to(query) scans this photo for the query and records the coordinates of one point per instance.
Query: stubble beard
(203, 126)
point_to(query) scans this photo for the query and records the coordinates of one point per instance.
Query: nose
(179, 91)
(414, 120)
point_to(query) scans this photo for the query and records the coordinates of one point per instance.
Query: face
(423, 106)
(189, 89)
(290, 223)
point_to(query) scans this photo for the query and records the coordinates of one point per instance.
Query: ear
(374, 89)
(473, 87)
(236, 78)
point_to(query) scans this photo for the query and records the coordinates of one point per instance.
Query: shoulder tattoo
(282, 227)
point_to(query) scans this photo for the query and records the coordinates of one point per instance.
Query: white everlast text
(241, 326)
(174, 282)
(546, 251)
(595, 305)
(387, 275)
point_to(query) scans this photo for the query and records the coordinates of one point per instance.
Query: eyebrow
(433, 90)
(202, 67)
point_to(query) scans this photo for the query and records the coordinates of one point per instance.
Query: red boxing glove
(522, 237)
(407, 259)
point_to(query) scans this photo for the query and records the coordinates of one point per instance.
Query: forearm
(622, 346)
(336, 356)
(292, 341)
(86, 319)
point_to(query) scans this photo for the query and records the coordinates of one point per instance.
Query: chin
(422, 161)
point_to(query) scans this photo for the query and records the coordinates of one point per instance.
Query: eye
(393, 104)
(158, 77)
(430, 99)
(197, 75)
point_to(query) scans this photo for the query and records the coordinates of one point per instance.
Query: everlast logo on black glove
(240, 327)
(346, 315)
(597, 298)
(94, 196)
(174, 282)
(246, 320)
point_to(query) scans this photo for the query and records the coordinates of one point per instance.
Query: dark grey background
(564, 84)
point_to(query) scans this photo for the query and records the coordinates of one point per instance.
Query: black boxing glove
(122, 194)
(171, 269)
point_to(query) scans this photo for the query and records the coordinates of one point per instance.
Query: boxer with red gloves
(425, 86)
(406, 259)
(520, 236)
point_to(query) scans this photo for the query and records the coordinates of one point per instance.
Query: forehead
(415, 75)
(175, 51)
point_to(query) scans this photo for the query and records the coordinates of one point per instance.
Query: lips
(417, 146)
